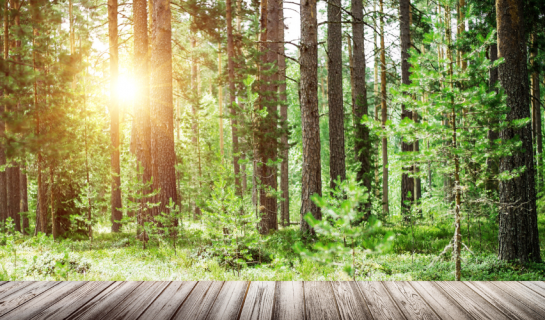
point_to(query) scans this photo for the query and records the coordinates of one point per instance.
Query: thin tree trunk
(220, 101)
(114, 117)
(311, 174)
(385, 206)
(337, 166)
(24, 201)
(195, 120)
(3, 176)
(54, 222)
(162, 113)
(518, 233)
(536, 108)
(282, 99)
(377, 103)
(232, 93)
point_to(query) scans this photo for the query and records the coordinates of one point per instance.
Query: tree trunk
(54, 222)
(13, 195)
(518, 232)
(24, 201)
(362, 145)
(377, 102)
(220, 101)
(162, 113)
(114, 117)
(3, 176)
(310, 119)
(536, 108)
(142, 102)
(385, 207)
(337, 166)
(195, 120)
(282, 99)
(407, 182)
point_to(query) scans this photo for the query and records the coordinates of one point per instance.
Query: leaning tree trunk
(385, 207)
(282, 99)
(518, 233)
(162, 112)
(310, 118)
(114, 117)
(407, 182)
(337, 166)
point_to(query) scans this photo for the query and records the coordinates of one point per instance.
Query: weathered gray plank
(349, 301)
(409, 301)
(379, 301)
(527, 296)
(289, 303)
(320, 301)
(137, 301)
(510, 306)
(11, 287)
(34, 306)
(443, 304)
(229, 301)
(258, 304)
(3, 282)
(72, 302)
(169, 301)
(200, 301)
(537, 286)
(101, 305)
(473, 303)
(19, 297)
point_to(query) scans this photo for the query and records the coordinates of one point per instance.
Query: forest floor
(121, 257)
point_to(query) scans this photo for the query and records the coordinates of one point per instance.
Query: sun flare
(125, 88)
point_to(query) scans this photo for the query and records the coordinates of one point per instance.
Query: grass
(121, 257)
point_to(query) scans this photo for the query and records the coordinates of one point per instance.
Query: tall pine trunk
(162, 112)
(23, 207)
(310, 118)
(114, 117)
(536, 107)
(3, 176)
(282, 99)
(337, 166)
(385, 206)
(518, 233)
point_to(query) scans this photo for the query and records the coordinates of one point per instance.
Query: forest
(272, 140)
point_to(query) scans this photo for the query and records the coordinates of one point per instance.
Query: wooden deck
(272, 300)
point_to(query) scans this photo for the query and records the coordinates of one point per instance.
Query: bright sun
(125, 88)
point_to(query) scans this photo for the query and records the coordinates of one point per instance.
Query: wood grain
(289, 301)
(102, 304)
(537, 286)
(199, 303)
(259, 301)
(169, 301)
(21, 296)
(510, 306)
(524, 294)
(43, 301)
(350, 303)
(379, 301)
(11, 287)
(137, 301)
(443, 304)
(409, 301)
(72, 302)
(229, 301)
(320, 301)
(473, 303)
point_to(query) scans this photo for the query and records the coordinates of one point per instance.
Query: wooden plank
(379, 301)
(138, 300)
(473, 303)
(350, 303)
(43, 301)
(409, 301)
(320, 301)
(3, 282)
(289, 301)
(524, 294)
(19, 297)
(101, 305)
(229, 301)
(510, 306)
(443, 304)
(72, 302)
(11, 287)
(169, 301)
(537, 286)
(259, 301)
(200, 301)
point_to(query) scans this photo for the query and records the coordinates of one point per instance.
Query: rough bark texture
(3, 177)
(162, 112)
(385, 207)
(493, 135)
(536, 106)
(282, 98)
(114, 117)
(310, 119)
(518, 234)
(13, 195)
(337, 166)
(24, 201)
(362, 144)
(407, 183)
(141, 101)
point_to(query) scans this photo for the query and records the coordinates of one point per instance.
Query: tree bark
(24, 201)
(162, 113)
(114, 117)
(337, 166)
(3, 176)
(310, 118)
(536, 108)
(493, 135)
(282, 99)
(518, 232)
(195, 120)
(385, 207)
(220, 101)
